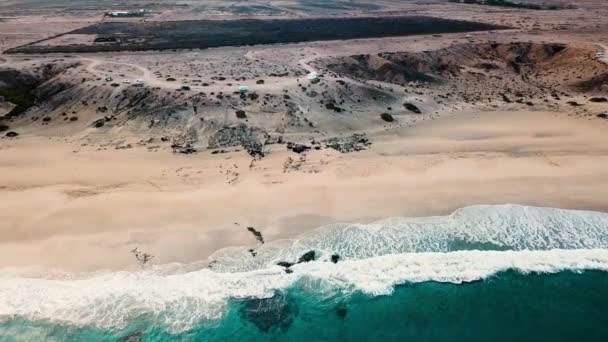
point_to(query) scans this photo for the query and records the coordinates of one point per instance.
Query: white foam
(182, 300)
(376, 257)
(501, 227)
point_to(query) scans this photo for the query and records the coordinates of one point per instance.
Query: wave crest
(470, 244)
(484, 227)
(179, 302)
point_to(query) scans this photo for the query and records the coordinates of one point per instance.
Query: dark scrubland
(200, 34)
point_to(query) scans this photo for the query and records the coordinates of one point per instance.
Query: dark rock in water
(387, 117)
(412, 108)
(257, 234)
(335, 258)
(341, 312)
(277, 312)
(285, 264)
(598, 99)
(12, 134)
(241, 114)
(133, 337)
(288, 270)
(308, 256)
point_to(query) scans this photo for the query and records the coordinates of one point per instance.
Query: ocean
(498, 273)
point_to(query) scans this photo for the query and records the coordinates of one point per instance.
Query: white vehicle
(126, 81)
(599, 55)
(109, 78)
(313, 76)
(139, 83)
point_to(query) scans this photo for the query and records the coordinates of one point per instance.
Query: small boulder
(297, 148)
(412, 108)
(12, 134)
(598, 99)
(307, 257)
(387, 117)
(241, 114)
(99, 123)
(285, 264)
(257, 234)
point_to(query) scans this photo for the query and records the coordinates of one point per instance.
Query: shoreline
(85, 211)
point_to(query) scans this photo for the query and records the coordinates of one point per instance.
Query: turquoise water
(509, 306)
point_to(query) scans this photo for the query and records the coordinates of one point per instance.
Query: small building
(126, 14)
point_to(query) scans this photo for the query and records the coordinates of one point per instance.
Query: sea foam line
(180, 301)
(485, 227)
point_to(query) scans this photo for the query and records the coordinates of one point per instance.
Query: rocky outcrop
(257, 234)
(307, 257)
(347, 144)
(238, 135)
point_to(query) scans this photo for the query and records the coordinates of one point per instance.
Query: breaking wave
(484, 227)
(471, 244)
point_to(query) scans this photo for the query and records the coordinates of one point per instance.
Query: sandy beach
(118, 150)
(75, 208)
